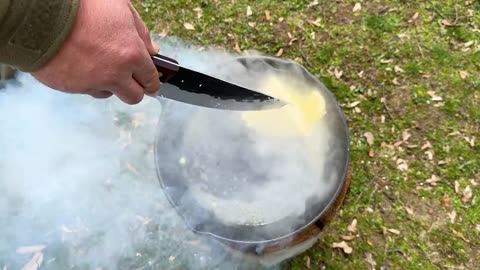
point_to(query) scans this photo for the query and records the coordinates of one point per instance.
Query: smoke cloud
(78, 175)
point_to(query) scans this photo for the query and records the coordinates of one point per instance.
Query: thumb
(144, 33)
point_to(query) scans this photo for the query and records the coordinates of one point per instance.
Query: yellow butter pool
(306, 107)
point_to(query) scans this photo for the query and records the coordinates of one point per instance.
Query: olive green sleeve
(33, 31)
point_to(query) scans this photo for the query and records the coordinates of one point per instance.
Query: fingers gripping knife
(192, 87)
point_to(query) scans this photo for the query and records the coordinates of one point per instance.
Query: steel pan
(176, 179)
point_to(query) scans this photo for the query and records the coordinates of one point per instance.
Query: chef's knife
(185, 85)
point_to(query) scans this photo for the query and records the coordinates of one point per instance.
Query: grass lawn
(407, 76)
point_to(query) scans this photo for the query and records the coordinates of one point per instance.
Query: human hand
(108, 52)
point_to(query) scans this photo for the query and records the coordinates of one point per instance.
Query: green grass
(372, 42)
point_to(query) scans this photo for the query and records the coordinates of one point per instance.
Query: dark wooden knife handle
(166, 67)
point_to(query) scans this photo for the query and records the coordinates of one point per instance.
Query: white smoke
(78, 175)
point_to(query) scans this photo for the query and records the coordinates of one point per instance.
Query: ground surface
(407, 77)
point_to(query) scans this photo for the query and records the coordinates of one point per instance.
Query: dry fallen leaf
(371, 153)
(315, 23)
(338, 73)
(313, 3)
(353, 104)
(446, 201)
(399, 69)
(447, 23)
(347, 237)
(395, 81)
(268, 17)
(30, 249)
(433, 180)
(252, 24)
(397, 232)
(467, 194)
(343, 245)
(415, 16)
(370, 260)
(402, 164)
(237, 48)
(199, 12)
(452, 216)
(434, 96)
(307, 262)
(426, 145)
(409, 210)
(357, 7)
(353, 226)
(280, 52)
(463, 74)
(189, 26)
(369, 137)
(406, 135)
(457, 187)
(132, 169)
(35, 262)
(468, 44)
(249, 11)
(477, 227)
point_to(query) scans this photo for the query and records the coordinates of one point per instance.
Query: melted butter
(306, 107)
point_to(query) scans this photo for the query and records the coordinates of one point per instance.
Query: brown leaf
(313, 3)
(189, 26)
(338, 73)
(426, 145)
(347, 237)
(452, 216)
(446, 201)
(433, 180)
(315, 23)
(30, 249)
(343, 245)
(199, 12)
(249, 11)
(459, 234)
(268, 17)
(395, 81)
(280, 52)
(307, 262)
(252, 24)
(371, 153)
(415, 16)
(409, 210)
(369, 137)
(457, 187)
(467, 194)
(447, 23)
(397, 232)
(463, 74)
(402, 164)
(353, 226)
(357, 7)
(468, 44)
(237, 48)
(370, 260)
(132, 169)
(399, 69)
(35, 262)
(406, 135)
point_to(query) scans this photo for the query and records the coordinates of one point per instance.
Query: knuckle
(135, 99)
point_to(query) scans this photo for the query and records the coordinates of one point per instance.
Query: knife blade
(189, 86)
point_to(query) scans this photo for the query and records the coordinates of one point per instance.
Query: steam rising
(78, 175)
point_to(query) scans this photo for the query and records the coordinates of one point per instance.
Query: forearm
(33, 31)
